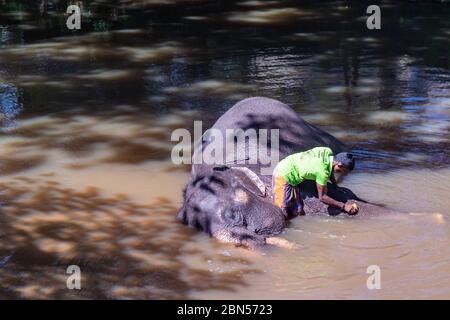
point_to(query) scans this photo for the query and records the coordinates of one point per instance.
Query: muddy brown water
(86, 117)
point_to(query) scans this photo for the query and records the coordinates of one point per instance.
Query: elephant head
(232, 205)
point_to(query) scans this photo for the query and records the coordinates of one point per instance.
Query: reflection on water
(86, 119)
(101, 196)
(425, 197)
(10, 105)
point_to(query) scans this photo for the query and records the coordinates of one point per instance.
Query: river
(86, 118)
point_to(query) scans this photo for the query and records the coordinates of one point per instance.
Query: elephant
(231, 200)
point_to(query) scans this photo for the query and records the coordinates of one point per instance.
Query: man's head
(343, 163)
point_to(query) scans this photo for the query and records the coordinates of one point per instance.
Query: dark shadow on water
(13, 165)
(124, 250)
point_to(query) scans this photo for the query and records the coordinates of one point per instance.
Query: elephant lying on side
(232, 201)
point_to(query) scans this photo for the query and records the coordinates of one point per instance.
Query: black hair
(347, 160)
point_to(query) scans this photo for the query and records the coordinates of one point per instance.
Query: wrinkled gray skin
(227, 204)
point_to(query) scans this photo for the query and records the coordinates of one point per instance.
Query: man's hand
(351, 208)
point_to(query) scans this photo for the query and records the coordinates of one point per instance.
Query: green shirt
(314, 164)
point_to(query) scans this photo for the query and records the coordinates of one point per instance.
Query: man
(317, 164)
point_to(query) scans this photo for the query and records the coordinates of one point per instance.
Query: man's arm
(322, 194)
